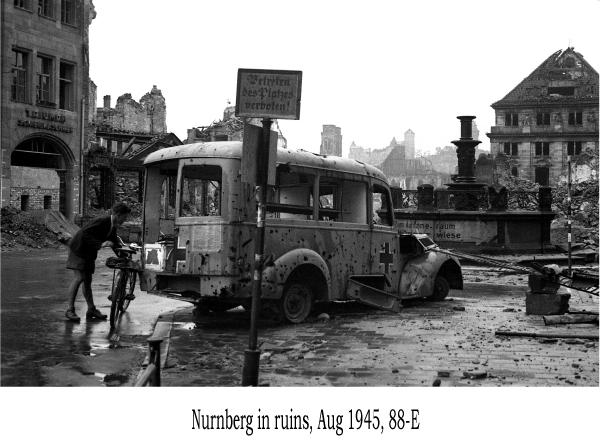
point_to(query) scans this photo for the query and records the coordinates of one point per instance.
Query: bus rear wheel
(296, 302)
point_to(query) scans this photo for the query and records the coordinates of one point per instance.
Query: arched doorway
(42, 174)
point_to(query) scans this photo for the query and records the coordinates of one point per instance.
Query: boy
(83, 251)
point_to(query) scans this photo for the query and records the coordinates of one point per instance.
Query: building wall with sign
(45, 84)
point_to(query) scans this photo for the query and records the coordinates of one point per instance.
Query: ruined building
(149, 116)
(331, 140)
(551, 114)
(376, 157)
(119, 140)
(398, 163)
(230, 128)
(45, 83)
(409, 173)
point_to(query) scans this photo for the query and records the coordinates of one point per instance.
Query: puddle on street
(188, 326)
(115, 379)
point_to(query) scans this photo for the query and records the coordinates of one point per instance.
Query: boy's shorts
(75, 262)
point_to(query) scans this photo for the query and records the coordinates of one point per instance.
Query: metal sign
(268, 94)
(250, 158)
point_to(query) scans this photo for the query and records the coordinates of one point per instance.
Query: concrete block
(546, 303)
(541, 284)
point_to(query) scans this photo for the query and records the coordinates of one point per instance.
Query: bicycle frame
(123, 283)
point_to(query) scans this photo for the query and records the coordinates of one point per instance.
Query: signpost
(267, 94)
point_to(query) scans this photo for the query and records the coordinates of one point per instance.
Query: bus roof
(297, 157)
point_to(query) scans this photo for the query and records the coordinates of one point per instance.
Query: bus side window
(329, 191)
(291, 198)
(382, 207)
(201, 191)
(167, 198)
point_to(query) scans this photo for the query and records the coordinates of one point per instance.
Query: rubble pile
(584, 213)
(21, 231)
(126, 190)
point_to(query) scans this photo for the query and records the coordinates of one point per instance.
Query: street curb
(162, 329)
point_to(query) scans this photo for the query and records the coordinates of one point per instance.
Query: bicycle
(123, 283)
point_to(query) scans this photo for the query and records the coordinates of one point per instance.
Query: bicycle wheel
(129, 288)
(118, 296)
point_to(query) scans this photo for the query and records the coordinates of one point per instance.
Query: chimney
(107, 101)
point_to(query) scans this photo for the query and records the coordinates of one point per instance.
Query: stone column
(464, 188)
(466, 151)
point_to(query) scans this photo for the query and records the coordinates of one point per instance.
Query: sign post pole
(252, 354)
(266, 94)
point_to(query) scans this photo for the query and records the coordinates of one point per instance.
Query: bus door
(198, 246)
(380, 288)
(385, 251)
(344, 226)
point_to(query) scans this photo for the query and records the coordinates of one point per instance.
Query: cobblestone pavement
(453, 341)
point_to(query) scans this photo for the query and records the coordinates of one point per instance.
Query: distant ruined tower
(409, 144)
(331, 140)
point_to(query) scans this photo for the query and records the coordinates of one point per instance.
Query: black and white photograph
(291, 222)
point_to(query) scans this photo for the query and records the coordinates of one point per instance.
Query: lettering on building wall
(37, 125)
(54, 117)
(45, 116)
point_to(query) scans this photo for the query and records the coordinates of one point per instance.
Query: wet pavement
(452, 341)
(40, 347)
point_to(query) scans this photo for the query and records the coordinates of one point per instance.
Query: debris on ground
(21, 231)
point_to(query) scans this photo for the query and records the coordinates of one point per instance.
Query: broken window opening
(383, 214)
(575, 118)
(65, 100)
(292, 197)
(511, 149)
(511, 119)
(201, 191)
(542, 149)
(574, 147)
(564, 91)
(543, 119)
(25, 202)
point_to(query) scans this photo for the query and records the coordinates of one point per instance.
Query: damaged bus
(329, 234)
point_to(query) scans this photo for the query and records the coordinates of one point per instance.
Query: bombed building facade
(399, 164)
(230, 128)
(45, 83)
(550, 115)
(119, 140)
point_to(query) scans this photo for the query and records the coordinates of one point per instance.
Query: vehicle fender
(276, 273)
(419, 274)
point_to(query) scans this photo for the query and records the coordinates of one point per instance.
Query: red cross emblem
(386, 257)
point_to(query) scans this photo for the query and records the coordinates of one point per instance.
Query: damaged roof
(563, 69)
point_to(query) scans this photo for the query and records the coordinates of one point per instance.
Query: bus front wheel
(296, 302)
(440, 289)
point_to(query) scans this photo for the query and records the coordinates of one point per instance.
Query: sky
(375, 69)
